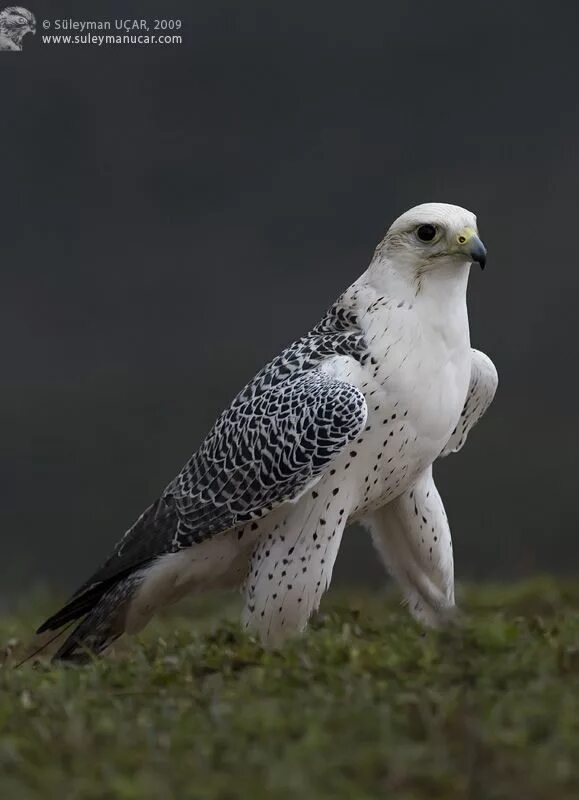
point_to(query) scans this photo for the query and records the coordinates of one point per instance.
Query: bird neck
(433, 302)
(443, 285)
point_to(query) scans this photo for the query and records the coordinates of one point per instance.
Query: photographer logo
(15, 23)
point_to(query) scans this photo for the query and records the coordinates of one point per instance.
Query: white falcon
(343, 425)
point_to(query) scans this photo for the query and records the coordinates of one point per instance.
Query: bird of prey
(15, 23)
(343, 425)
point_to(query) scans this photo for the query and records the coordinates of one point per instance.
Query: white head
(432, 237)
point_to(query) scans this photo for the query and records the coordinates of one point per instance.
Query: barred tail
(99, 608)
(101, 626)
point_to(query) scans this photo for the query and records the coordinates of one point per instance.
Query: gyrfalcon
(15, 23)
(343, 425)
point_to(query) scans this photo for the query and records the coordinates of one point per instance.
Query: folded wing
(265, 450)
(483, 385)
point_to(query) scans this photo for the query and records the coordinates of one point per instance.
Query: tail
(101, 604)
(102, 617)
(101, 626)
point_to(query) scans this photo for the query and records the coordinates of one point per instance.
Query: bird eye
(426, 233)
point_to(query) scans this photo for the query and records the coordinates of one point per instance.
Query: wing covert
(264, 452)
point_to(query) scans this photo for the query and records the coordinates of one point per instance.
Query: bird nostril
(461, 239)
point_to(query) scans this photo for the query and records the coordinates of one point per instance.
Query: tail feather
(100, 604)
(101, 626)
(83, 602)
(73, 610)
(38, 648)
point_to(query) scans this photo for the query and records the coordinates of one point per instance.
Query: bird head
(431, 237)
(16, 22)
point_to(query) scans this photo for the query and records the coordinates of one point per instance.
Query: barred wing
(265, 451)
(269, 447)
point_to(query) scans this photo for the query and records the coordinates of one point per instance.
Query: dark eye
(426, 233)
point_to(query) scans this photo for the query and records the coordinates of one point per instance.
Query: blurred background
(170, 217)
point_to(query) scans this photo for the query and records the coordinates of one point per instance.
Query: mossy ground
(365, 705)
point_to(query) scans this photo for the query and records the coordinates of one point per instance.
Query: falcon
(344, 425)
(15, 23)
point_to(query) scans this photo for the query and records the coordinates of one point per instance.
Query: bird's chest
(415, 382)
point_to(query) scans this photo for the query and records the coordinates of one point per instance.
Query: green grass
(364, 706)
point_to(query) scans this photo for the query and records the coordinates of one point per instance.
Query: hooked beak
(470, 245)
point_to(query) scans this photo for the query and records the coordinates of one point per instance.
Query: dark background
(170, 217)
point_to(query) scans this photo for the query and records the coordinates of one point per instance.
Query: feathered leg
(291, 566)
(412, 537)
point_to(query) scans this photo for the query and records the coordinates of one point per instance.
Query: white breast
(415, 383)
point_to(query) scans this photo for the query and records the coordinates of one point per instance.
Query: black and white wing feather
(265, 451)
(273, 443)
